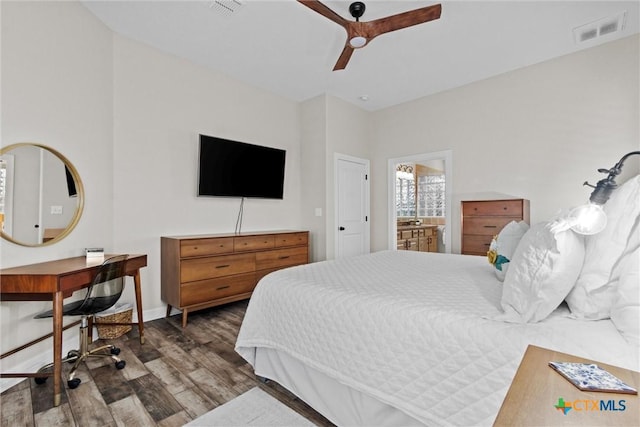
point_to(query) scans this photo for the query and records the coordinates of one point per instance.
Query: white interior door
(352, 206)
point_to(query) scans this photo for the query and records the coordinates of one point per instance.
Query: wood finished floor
(176, 376)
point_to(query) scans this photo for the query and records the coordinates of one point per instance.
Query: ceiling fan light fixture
(357, 41)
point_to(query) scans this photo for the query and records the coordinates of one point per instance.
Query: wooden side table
(536, 390)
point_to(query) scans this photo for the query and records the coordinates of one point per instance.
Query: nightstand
(536, 390)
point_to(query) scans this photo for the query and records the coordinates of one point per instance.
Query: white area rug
(253, 408)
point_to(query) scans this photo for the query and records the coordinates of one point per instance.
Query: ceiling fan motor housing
(356, 9)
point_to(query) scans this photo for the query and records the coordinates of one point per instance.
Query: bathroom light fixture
(590, 218)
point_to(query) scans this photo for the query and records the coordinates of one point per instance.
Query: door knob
(341, 228)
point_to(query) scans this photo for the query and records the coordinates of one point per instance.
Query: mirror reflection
(41, 195)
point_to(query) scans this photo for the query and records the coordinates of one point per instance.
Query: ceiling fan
(359, 34)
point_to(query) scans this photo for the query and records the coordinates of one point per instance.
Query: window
(405, 194)
(431, 195)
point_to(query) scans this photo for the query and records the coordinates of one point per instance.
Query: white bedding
(412, 329)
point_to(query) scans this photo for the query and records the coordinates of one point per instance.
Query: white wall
(57, 90)
(162, 103)
(313, 176)
(128, 118)
(329, 125)
(536, 133)
(348, 132)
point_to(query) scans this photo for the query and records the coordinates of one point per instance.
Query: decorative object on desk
(94, 254)
(252, 408)
(103, 293)
(590, 377)
(591, 218)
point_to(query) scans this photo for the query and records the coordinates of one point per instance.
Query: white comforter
(413, 330)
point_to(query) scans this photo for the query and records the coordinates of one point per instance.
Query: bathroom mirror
(41, 195)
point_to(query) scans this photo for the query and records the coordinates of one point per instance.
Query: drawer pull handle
(222, 287)
(490, 226)
(284, 257)
(223, 266)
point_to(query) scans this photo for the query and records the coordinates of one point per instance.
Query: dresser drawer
(281, 258)
(291, 239)
(493, 208)
(476, 245)
(204, 291)
(487, 226)
(253, 243)
(203, 247)
(211, 267)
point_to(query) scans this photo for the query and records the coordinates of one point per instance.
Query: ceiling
(288, 49)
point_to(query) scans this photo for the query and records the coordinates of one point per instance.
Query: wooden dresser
(423, 238)
(203, 271)
(483, 219)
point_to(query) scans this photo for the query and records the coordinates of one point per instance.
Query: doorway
(351, 206)
(402, 205)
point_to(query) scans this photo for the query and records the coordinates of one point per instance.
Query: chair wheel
(121, 364)
(115, 351)
(72, 356)
(74, 383)
(40, 380)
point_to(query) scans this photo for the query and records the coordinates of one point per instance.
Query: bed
(413, 338)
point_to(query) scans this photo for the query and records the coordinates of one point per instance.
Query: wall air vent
(225, 7)
(600, 28)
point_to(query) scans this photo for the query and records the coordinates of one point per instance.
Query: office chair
(103, 293)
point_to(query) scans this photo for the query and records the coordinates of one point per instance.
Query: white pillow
(543, 270)
(625, 311)
(505, 244)
(593, 294)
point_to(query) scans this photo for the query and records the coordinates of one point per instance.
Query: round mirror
(41, 195)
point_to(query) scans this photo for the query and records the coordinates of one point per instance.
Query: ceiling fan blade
(344, 57)
(403, 20)
(325, 11)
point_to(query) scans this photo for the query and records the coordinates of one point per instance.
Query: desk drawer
(291, 239)
(493, 208)
(211, 267)
(281, 258)
(207, 290)
(486, 226)
(201, 247)
(252, 243)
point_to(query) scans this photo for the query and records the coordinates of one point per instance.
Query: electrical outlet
(56, 210)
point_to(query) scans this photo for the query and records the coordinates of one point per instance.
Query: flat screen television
(237, 169)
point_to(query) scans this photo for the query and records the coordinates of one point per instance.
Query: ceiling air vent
(226, 7)
(599, 28)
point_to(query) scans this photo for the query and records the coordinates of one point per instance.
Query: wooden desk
(54, 281)
(537, 388)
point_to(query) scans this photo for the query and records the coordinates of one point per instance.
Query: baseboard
(69, 342)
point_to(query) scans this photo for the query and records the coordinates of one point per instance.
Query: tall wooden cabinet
(483, 219)
(201, 271)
